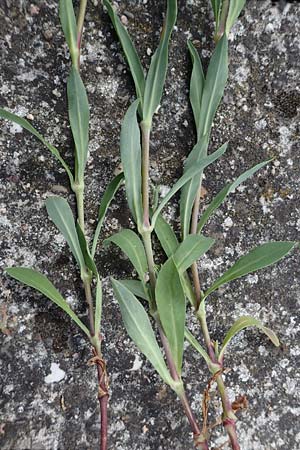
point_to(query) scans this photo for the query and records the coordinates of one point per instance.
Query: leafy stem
(80, 22)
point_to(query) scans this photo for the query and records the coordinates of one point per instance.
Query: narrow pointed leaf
(193, 341)
(41, 283)
(79, 116)
(107, 198)
(130, 52)
(158, 68)
(166, 236)
(245, 322)
(133, 247)
(27, 126)
(190, 251)
(68, 23)
(131, 161)
(170, 300)
(60, 213)
(220, 197)
(139, 328)
(216, 6)
(235, 8)
(98, 309)
(258, 258)
(89, 262)
(188, 175)
(196, 84)
(215, 82)
(136, 288)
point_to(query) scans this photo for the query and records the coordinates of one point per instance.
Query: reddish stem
(230, 427)
(103, 397)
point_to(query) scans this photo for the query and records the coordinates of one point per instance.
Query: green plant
(60, 212)
(169, 285)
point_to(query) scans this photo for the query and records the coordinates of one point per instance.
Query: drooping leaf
(235, 8)
(130, 52)
(132, 246)
(193, 341)
(108, 196)
(170, 300)
(196, 84)
(60, 213)
(220, 197)
(68, 23)
(258, 258)
(79, 116)
(166, 236)
(190, 189)
(89, 262)
(188, 175)
(190, 250)
(27, 126)
(41, 283)
(139, 328)
(158, 68)
(98, 309)
(245, 322)
(214, 86)
(131, 161)
(137, 288)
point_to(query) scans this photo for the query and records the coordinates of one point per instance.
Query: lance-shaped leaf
(68, 23)
(220, 197)
(193, 341)
(188, 175)
(214, 86)
(196, 84)
(158, 68)
(130, 52)
(131, 161)
(139, 328)
(190, 250)
(133, 247)
(170, 300)
(189, 190)
(258, 258)
(79, 116)
(245, 322)
(235, 8)
(41, 283)
(166, 236)
(107, 198)
(60, 213)
(27, 126)
(89, 262)
(137, 288)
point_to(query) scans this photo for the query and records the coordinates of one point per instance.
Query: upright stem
(80, 22)
(145, 172)
(223, 19)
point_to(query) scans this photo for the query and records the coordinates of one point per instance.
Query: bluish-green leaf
(193, 341)
(60, 213)
(158, 68)
(131, 161)
(196, 84)
(188, 175)
(258, 258)
(235, 8)
(27, 126)
(68, 23)
(139, 328)
(220, 197)
(137, 288)
(190, 250)
(133, 247)
(41, 283)
(170, 300)
(130, 52)
(89, 261)
(79, 116)
(166, 236)
(98, 309)
(108, 196)
(245, 322)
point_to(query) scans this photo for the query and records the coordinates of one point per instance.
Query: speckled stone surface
(48, 393)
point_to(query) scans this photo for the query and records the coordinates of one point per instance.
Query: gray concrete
(260, 118)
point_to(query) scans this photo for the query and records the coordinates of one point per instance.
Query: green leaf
(139, 328)
(133, 247)
(258, 258)
(190, 250)
(170, 300)
(193, 341)
(98, 309)
(166, 236)
(190, 189)
(68, 23)
(158, 68)
(89, 262)
(79, 116)
(196, 84)
(131, 161)
(41, 283)
(27, 126)
(245, 322)
(130, 52)
(235, 8)
(220, 197)
(136, 288)
(60, 212)
(189, 174)
(107, 198)
(214, 86)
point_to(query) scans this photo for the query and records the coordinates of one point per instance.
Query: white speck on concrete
(56, 374)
